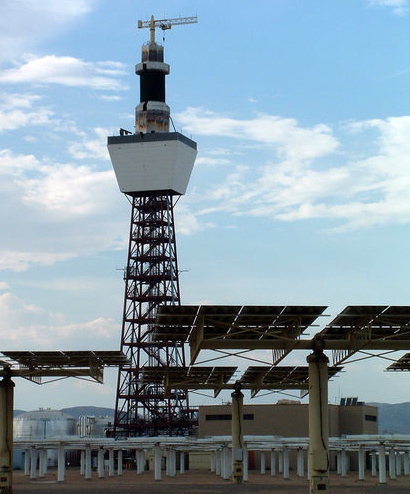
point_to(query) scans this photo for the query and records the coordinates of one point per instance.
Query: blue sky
(300, 193)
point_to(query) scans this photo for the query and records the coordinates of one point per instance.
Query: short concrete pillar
(373, 457)
(398, 463)
(82, 462)
(100, 463)
(339, 463)
(300, 457)
(157, 463)
(343, 461)
(61, 463)
(140, 458)
(213, 462)
(42, 462)
(218, 463)
(119, 462)
(280, 461)
(286, 463)
(111, 462)
(27, 461)
(362, 460)
(182, 462)
(33, 463)
(171, 463)
(245, 465)
(392, 464)
(263, 462)
(273, 463)
(406, 463)
(382, 464)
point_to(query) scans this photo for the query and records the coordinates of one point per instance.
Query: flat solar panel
(402, 364)
(280, 377)
(66, 358)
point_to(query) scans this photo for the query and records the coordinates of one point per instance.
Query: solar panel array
(359, 325)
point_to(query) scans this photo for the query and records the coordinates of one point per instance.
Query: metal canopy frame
(255, 378)
(35, 365)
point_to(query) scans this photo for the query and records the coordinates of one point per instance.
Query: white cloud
(25, 23)
(24, 326)
(89, 147)
(315, 174)
(290, 139)
(65, 210)
(20, 261)
(400, 7)
(16, 111)
(67, 71)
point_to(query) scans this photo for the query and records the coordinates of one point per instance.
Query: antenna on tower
(165, 24)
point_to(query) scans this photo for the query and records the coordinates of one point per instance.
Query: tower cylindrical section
(152, 114)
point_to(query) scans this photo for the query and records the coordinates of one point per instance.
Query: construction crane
(165, 24)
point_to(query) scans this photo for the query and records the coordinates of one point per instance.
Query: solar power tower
(153, 167)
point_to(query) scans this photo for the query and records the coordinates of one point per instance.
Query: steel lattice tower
(152, 167)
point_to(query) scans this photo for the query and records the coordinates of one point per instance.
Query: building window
(228, 416)
(370, 418)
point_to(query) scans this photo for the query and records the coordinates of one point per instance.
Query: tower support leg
(6, 435)
(237, 435)
(318, 423)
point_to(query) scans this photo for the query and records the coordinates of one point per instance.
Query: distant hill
(393, 418)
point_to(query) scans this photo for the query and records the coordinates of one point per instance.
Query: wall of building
(288, 420)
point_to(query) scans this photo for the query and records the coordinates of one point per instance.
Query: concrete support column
(392, 464)
(382, 464)
(27, 461)
(61, 463)
(182, 462)
(100, 463)
(362, 460)
(374, 463)
(82, 462)
(119, 463)
(33, 463)
(286, 463)
(6, 433)
(318, 421)
(300, 470)
(237, 435)
(111, 463)
(263, 462)
(157, 463)
(273, 463)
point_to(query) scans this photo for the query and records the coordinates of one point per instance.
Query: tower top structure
(153, 158)
(165, 24)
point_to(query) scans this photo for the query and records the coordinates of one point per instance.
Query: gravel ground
(196, 482)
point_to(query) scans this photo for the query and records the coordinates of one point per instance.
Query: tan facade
(287, 419)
